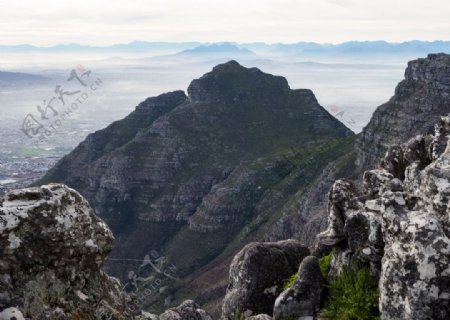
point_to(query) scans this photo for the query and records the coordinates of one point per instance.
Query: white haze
(355, 88)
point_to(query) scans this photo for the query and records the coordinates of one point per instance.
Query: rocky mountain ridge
(419, 102)
(211, 164)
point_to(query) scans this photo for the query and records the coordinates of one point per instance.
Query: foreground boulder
(188, 310)
(400, 226)
(304, 298)
(257, 274)
(52, 248)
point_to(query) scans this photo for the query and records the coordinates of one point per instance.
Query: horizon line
(222, 42)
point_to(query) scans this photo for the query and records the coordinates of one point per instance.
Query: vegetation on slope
(353, 295)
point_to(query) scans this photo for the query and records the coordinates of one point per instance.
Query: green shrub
(353, 295)
(325, 264)
(290, 281)
(238, 315)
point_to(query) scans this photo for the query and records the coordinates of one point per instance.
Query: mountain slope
(188, 175)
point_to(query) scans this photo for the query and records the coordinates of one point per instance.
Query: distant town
(23, 162)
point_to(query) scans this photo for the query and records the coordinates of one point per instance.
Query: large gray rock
(257, 274)
(304, 298)
(188, 310)
(52, 248)
(401, 227)
(342, 202)
(415, 275)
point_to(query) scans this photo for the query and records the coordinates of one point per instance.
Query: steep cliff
(418, 103)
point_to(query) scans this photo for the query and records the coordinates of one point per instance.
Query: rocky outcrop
(303, 299)
(188, 310)
(418, 103)
(257, 274)
(400, 226)
(52, 249)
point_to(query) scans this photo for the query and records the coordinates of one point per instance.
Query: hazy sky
(102, 22)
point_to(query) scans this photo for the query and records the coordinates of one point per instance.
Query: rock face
(188, 310)
(52, 248)
(220, 163)
(257, 274)
(304, 299)
(400, 225)
(418, 103)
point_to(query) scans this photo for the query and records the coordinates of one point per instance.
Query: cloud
(104, 22)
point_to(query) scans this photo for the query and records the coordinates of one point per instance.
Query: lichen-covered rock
(11, 314)
(342, 202)
(52, 248)
(188, 310)
(146, 316)
(257, 274)
(401, 227)
(260, 317)
(304, 298)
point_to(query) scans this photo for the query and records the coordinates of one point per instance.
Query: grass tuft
(290, 281)
(325, 264)
(353, 295)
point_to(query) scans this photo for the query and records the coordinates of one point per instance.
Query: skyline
(103, 23)
(208, 43)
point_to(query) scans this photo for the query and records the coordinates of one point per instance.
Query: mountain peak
(177, 170)
(231, 81)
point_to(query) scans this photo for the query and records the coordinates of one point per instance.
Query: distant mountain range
(135, 46)
(351, 47)
(213, 48)
(9, 78)
(226, 51)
